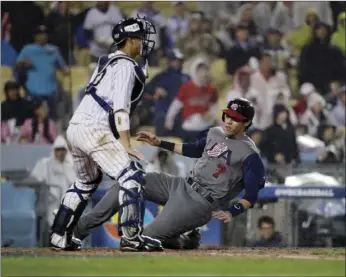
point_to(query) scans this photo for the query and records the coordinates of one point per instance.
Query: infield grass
(168, 266)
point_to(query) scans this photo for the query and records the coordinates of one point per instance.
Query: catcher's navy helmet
(239, 109)
(135, 28)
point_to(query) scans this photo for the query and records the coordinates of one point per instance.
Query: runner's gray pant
(184, 208)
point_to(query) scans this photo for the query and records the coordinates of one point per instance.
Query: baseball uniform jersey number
(221, 170)
(102, 73)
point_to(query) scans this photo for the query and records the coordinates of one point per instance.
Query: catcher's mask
(135, 28)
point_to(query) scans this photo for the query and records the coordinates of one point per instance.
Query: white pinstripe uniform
(89, 133)
(93, 144)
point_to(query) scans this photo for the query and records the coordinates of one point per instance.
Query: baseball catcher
(99, 136)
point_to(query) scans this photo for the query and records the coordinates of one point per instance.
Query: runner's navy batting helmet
(239, 109)
(135, 28)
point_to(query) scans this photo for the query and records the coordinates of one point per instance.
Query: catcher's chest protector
(136, 94)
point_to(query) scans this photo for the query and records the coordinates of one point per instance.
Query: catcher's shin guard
(131, 210)
(71, 208)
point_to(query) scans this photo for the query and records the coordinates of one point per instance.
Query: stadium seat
(6, 74)
(15, 175)
(18, 228)
(83, 57)
(80, 76)
(310, 157)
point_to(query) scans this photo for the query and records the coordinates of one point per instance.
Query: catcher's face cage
(147, 44)
(147, 29)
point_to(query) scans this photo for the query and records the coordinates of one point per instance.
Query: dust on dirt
(293, 253)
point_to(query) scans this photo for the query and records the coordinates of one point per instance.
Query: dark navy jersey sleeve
(253, 176)
(195, 149)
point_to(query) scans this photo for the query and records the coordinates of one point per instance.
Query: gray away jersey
(220, 167)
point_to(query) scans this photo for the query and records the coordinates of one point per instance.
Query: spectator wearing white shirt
(262, 14)
(220, 10)
(245, 16)
(333, 151)
(268, 84)
(178, 24)
(57, 170)
(316, 114)
(160, 22)
(338, 112)
(241, 88)
(98, 25)
(281, 17)
(241, 84)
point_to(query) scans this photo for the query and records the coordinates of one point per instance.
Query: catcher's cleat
(140, 244)
(70, 241)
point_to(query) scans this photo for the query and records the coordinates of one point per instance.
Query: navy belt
(200, 190)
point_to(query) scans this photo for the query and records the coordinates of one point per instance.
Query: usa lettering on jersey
(220, 151)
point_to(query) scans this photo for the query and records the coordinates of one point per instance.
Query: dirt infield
(292, 253)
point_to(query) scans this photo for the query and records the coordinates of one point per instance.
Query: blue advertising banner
(273, 192)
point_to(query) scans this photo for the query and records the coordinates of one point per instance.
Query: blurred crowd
(287, 57)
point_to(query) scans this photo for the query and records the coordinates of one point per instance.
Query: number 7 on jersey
(221, 170)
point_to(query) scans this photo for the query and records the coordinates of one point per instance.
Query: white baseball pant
(92, 146)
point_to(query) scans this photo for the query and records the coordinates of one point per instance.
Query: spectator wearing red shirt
(198, 99)
(301, 105)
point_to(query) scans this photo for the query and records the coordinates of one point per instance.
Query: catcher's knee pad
(72, 206)
(131, 209)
